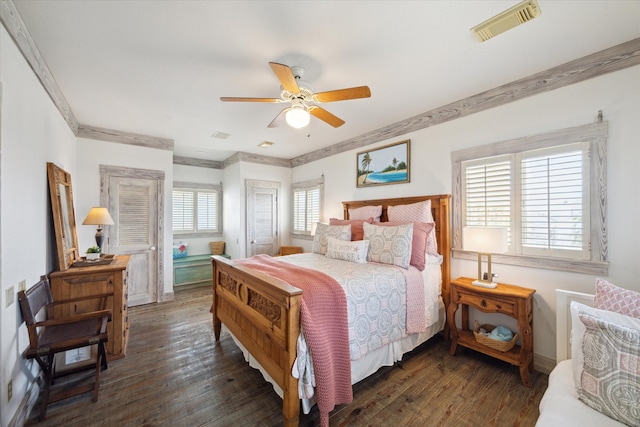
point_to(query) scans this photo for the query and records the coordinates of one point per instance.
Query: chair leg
(96, 382)
(47, 368)
(103, 352)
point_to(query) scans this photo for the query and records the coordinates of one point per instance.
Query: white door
(135, 203)
(262, 217)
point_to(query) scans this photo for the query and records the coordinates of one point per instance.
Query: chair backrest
(31, 303)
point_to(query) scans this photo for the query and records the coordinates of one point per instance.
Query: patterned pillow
(421, 232)
(347, 251)
(324, 231)
(578, 331)
(389, 245)
(357, 232)
(614, 298)
(416, 212)
(611, 377)
(366, 212)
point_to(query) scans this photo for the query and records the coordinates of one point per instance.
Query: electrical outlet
(9, 390)
(9, 296)
(22, 285)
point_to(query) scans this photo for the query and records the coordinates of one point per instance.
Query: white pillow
(578, 330)
(324, 231)
(355, 251)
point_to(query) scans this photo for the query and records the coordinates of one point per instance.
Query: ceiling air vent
(519, 14)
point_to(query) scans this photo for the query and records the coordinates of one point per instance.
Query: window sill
(599, 268)
(301, 236)
(195, 235)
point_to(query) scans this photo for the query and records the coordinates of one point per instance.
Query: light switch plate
(9, 296)
(22, 285)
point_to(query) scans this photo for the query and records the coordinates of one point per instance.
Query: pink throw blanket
(323, 316)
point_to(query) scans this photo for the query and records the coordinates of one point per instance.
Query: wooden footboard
(264, 315)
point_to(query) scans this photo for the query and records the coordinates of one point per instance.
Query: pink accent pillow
(357, 232)
(614, 298)
(421, 232)
(416, 212)
(366, 212)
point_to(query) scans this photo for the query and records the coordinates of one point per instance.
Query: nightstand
(514, 301)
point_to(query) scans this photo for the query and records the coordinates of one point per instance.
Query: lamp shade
(297, 117)
(485, 239)
(98, 216)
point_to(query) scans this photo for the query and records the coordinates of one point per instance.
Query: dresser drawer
(482, 302)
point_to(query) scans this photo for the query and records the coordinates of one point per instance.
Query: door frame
(249, 228)
(108, 171)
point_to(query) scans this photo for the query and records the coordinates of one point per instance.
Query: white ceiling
(159, 67)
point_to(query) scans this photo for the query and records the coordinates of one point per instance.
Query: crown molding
(18, 31)
(606, 61)
(111, 135)
(202, 163)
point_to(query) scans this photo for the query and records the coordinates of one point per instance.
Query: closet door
(135, 200)
(262, 217)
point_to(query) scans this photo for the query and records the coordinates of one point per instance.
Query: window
(547, 190)
(307, 204)
(196, 209)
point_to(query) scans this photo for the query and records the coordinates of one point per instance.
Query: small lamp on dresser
(100, 217)
(484, 241)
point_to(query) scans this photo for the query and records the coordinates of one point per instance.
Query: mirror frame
(64, 219)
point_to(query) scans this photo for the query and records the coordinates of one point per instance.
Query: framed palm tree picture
(385, 165)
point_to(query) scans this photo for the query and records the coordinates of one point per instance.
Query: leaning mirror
(64, 220)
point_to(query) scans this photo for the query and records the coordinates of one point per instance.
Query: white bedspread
(363, 365)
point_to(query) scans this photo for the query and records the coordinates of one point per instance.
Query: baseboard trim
(543, 364)
(27, 404)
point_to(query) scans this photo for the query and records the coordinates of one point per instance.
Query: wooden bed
(264, 313)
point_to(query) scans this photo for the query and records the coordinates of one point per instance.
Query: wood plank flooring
(175, 374)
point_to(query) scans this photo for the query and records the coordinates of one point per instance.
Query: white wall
(32, 132)
(617, 95)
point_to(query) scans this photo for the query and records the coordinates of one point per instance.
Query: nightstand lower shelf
(467, 339)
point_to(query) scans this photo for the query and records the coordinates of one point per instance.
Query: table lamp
(100, 217)
(484, 241)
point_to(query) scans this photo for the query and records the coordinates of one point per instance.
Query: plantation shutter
(183, 210)
(554, 202)
(488, 193)
(313, 208)
(207, 211)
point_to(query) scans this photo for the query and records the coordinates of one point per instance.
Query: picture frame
(389, 164)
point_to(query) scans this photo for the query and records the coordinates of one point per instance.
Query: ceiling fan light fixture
(297, 117)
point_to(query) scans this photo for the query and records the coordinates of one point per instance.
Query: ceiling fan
(303, 98)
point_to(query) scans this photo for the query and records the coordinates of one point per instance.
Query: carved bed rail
(263, 313)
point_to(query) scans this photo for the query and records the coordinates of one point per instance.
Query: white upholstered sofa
(561, 405)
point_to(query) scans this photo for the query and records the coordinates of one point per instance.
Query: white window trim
(306, 185)
(180, 185)
(596, 135)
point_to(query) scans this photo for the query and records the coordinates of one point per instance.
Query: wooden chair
(288, 250)
(49, 336)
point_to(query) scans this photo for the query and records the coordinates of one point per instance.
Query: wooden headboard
(441, 215)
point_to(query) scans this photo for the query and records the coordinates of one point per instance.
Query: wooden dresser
(84, 289)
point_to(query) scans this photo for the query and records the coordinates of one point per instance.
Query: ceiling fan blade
(286, 77)
(279, 119)
(343, 94)
(325, 116)
(235, 99)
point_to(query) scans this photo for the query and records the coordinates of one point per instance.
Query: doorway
(262, 217)
(135, 199)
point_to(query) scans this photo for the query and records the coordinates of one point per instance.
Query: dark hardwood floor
(175, 374)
